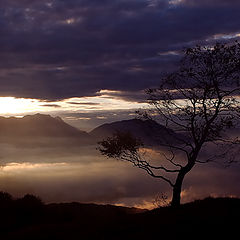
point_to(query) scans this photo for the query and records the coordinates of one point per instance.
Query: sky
(87, 60)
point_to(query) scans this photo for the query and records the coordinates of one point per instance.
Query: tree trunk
(177, 188)
(176, 197)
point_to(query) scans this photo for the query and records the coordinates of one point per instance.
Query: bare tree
(201, 100)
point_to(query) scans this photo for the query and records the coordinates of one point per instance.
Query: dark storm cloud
(56, 49)
(211, 2)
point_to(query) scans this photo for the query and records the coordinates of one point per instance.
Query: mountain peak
(38, 116)
(149, 131)
(38, 125)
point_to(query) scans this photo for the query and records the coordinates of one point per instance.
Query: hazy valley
(45, 156)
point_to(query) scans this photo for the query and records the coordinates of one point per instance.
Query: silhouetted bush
(30, 201)
(5, 198)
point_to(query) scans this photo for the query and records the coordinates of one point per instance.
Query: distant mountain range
(33, 128)
(40, 130)
(38, 125)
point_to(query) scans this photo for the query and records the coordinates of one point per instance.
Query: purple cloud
(68, 48)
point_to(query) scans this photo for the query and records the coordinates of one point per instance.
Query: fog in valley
(67, 173)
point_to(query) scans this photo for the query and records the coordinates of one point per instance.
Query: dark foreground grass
(29, 218)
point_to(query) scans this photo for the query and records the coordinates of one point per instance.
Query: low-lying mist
(73, 173)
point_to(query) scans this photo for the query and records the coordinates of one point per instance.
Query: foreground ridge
(30, 218)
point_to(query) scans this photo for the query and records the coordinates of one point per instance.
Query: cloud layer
(57, 49)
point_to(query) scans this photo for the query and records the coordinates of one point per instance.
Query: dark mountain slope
(149, 131)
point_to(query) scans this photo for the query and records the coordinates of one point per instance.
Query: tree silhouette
(201, 101)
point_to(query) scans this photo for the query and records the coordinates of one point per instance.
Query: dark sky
(57, 49)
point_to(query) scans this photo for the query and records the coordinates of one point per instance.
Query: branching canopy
(201, 100)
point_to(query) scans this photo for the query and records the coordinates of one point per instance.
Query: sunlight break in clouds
(11, 105)
(105, 100)
(15, 167)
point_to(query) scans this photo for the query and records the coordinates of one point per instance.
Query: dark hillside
(29, 218)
